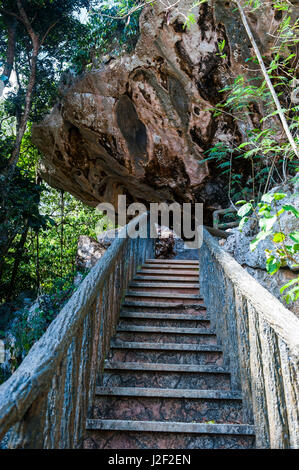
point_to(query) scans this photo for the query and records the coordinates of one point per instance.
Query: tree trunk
(18, 258)
(37, 264)
(10, 55)
(61, 233)
(5, 244)
(268, 82)
(13, 160)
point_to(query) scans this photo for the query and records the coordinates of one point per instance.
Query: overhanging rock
(140, 124)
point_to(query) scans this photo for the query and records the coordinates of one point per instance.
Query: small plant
(221, 46)
(267, 214)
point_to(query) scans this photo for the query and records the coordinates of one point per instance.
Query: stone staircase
(164, 383)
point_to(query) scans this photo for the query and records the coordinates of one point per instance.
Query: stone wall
(45, 403)
(260, 340)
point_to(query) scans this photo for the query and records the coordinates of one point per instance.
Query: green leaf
(260, 236)
(278, 237)
(281, 211)
(242, 223)
(289, 284)
(272, 265)
(279, 196)
(267, 198)
(290, 208)
(245, 209)
(295, 236)
(295, 248)
(266, 223)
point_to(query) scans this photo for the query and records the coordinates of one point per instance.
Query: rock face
(165, 243)
(89, 252)
(140, 124)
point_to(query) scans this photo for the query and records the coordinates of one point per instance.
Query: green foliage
(56, 20)
(110, 29)
(221, 46)
(293, 294)
(30, 325)
(25, 223)
(76, 220)
(268, 215)
(225, 159)
(270, 154)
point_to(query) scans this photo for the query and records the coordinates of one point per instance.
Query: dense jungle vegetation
(39, 226)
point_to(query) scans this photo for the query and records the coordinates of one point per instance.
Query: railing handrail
(34, 374)
(284, 322)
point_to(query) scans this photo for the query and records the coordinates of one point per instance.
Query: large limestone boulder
(140, 124)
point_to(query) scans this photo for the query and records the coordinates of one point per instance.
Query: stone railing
(45, 402)
(260, 338)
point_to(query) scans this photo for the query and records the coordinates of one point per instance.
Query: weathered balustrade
(46, 401)
(260, 338)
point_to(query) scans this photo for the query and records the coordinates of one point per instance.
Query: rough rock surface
(89, 252)
(274, 283)
(165, 243)
(140, 124)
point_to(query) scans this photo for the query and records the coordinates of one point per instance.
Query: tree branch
(11, 46)
(11, 13)
(48, 31)
(267, 79)
(25, 20)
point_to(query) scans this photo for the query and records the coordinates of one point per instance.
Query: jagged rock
(170, 246)
(139, 125)
(106, 238)
(89, 252)
(165, 243)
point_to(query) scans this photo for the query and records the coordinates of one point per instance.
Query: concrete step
(164, 319)
(167, 346)
(164, 316)
(170, 266)
(137, 407)
(125, 434)
(166, 330)
(173, 261)
(148, 337)
(168, 307)
(160, 334)
(168, 272)
(165, 287)
(170, 427)
(169, 393)
(171, 353)
(183, 368)
(165, 296)
(156, 375)
(162, 440)
(164, 383)
(167, 279)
